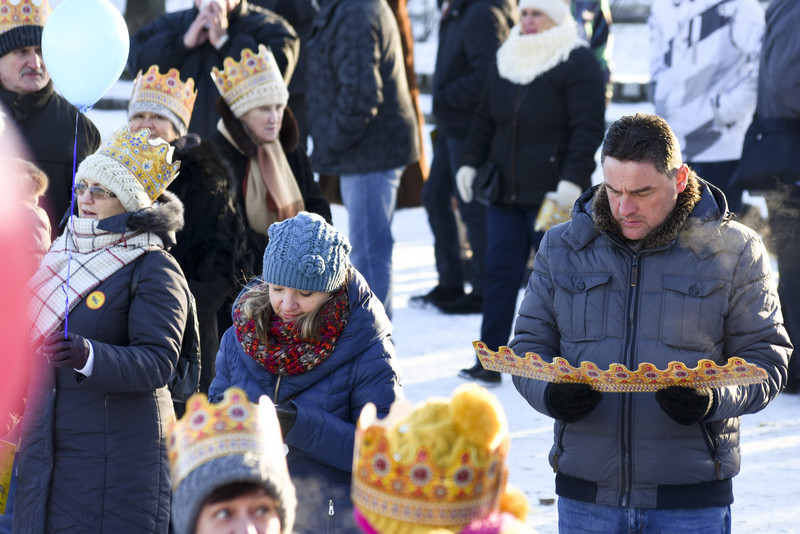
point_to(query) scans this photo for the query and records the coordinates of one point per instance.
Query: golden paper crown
(16, 13)
(166, 90)
(618, 378)
(252, 81)
(436, 476)
(149, 162)
(234, 426)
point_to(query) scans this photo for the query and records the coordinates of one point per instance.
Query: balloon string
(65, 286)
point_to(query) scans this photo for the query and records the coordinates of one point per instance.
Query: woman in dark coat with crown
(211, 248)
(93, 452)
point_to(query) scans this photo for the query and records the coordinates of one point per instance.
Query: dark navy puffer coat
(93, 454)
(701, 287)
(357, 99)
(329, 399)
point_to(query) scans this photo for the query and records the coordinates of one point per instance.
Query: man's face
(640, 197)
(22, 70)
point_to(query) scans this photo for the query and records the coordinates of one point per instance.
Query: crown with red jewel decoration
(440, 464)
(253, 81)
(164, 94)
(21, 23)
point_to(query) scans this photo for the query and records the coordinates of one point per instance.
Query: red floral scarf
(287, 353)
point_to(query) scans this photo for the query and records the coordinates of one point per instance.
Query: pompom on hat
(134, 167)
(214, 445)
(436, 468)
(165, 95)
(252, 82)
(22, 23)
(557, 10)
(306, 253)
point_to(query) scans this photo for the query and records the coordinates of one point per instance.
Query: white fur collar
(522, 58)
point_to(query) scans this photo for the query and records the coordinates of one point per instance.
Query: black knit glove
(287, 414)
(70, 352)
(686, 406)
(571, 402)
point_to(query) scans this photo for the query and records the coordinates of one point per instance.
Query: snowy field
(432, 347)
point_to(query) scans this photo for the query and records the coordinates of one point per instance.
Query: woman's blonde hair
(257, 307)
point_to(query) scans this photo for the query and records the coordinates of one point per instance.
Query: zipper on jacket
(560, 444)
(514, 127)
(712, 442)
(626, 420)
(330, 516)
(277, 387)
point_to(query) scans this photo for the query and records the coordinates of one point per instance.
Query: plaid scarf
(90, 256)
(286, 352)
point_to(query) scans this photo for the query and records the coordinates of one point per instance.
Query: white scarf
(89, 256)
(522, 58)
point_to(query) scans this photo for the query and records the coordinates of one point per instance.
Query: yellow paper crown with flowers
(207, 431)
(165, 90)
(441, 464)
(16, 13)
(149, 162)
(254, 80)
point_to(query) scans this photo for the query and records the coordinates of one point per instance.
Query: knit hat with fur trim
(21, 23)
(557, 10)
(306, 253)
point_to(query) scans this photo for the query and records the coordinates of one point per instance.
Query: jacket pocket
(580, 303)
(692, 313)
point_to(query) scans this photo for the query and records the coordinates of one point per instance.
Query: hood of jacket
(164, 218)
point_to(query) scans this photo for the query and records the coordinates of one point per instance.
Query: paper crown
(618, 378)
(254, 81)
(441, 464)
(153, 89)
(16, 13)
(149, 162)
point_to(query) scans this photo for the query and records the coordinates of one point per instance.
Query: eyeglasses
(98, 193)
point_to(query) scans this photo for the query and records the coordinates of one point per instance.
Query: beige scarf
(85, 255)
(271, 193)
(522, 58)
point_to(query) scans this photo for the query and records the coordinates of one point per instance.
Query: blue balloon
(85, 47)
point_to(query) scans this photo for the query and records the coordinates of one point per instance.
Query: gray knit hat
(306, 253)
(214, 445)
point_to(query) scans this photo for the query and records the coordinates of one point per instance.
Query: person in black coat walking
(211, 247)
(540, 122)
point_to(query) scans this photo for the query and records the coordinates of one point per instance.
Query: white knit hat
(557, 10)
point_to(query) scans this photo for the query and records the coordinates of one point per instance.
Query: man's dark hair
(232, 491)
(643, 138)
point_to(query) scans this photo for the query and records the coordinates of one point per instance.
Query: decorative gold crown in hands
(618, 378)
(14, 14)
(396, 475)
(150, 161)
(166, 90)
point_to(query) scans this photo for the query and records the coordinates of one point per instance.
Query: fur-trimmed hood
(688, 200)
(164, 218)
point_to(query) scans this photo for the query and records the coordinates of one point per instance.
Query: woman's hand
(72, 351)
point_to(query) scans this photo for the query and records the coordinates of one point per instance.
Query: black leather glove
(686, 406)
(287, 414)
(70, 352)
(571, 402)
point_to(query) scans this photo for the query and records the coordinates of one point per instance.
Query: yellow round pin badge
(95, 300)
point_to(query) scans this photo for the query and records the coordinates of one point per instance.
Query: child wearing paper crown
(93, 452)
(436, 468)
(311, 336)
(228, 468)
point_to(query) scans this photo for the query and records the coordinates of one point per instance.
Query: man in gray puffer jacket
(651, 268)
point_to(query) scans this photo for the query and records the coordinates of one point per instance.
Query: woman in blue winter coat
(311, 335)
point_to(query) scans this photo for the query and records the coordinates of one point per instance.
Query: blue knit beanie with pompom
(306, 253)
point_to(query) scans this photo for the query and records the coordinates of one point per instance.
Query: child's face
(250, 513)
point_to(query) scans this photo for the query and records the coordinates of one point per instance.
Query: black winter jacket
(161, 43)
(47, 123)
(357, 99)
(469, 35)
(560, 124)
